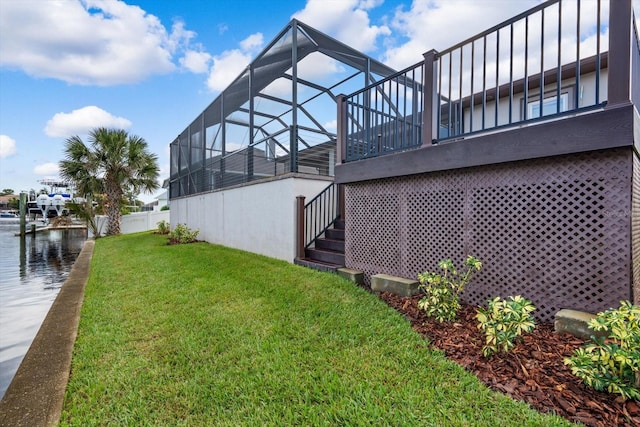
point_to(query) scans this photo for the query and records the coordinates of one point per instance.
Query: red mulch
(532, 372)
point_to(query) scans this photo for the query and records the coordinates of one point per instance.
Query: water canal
(32, 271)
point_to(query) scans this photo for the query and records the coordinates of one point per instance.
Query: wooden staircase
(327, 252)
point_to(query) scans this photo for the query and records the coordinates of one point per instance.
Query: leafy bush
(612, 365)
(442, 291)
(165, 208)
(182, 234)
(163, 227)
(87, 209)
(503, 322)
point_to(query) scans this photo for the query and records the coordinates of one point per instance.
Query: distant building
(4, 200)
(160, 202)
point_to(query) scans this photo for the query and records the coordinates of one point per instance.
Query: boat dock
(34, 228)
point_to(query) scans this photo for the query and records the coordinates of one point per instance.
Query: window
(549, 105)
(451, 120)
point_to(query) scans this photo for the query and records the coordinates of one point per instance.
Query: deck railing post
(341, 131)
(429, 105)
(620, 12)
(300, 226)
(341, 209)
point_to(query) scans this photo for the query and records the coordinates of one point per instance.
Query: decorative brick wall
(555, 230)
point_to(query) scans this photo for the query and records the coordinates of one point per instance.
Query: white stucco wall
(258, 217)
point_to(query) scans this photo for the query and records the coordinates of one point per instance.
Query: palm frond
(113, 163)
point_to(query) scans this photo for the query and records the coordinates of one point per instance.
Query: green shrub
(165, 208)
(612, 365)
(503, 322)
(442, 291)
(163, 227)
(182, 234)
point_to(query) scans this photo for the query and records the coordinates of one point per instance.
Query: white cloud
(369, 4)
(346, 20)
(87, 42)
(7, 146)
(439, 24)
(317, 65)
(252, 43)
(82, 121)
(196, 61)
(280, 87)
(46, 169)
(314, 68)
(179, 36)
(230, 63)
(226, 67)
(331, 126)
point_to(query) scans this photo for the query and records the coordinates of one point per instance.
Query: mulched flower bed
(533, 372)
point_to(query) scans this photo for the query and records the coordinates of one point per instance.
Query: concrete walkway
(35, 396)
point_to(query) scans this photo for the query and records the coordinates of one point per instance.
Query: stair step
(327, 256)
(339, 224)
(317, 265)
(334, 234)
(331, 244)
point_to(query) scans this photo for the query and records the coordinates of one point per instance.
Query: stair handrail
(320, 213)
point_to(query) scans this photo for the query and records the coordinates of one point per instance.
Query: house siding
(586, 98)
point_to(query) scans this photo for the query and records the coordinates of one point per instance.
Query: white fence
(135, 222)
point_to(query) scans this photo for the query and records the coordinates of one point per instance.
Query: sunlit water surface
(32, 271)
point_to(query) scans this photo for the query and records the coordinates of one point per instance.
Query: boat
(51, 204)
(8, 217)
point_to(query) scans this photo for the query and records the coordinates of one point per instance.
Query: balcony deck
(485, 85)
(546, 194)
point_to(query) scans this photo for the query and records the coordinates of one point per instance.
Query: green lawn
(203, 335)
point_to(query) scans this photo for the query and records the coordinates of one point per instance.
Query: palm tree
(113, 164)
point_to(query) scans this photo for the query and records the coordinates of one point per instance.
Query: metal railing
(314, 153)
(386, 116)
(320, 213)
(545, 62)
(530, 66)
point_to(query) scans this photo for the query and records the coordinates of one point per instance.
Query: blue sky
(150, 67)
